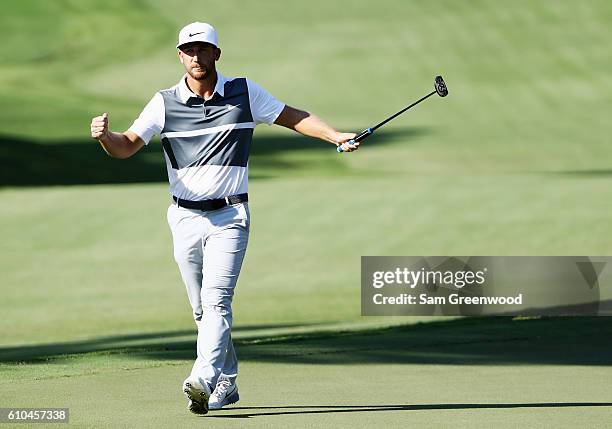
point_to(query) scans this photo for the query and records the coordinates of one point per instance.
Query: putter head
(440, 87)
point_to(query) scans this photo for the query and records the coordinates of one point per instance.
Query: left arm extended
(310, 125)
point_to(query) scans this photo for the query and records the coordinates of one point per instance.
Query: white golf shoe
(198, 395)
(225, 393)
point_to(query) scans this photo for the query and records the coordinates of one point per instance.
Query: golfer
(206, 124)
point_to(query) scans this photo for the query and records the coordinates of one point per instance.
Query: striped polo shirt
(206, 143)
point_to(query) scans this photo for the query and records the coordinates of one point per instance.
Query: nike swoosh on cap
(201, 32)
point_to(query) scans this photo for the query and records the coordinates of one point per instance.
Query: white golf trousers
(209, 248)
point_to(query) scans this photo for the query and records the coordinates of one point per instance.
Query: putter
(440, 89)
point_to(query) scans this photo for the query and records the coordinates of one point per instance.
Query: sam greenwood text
(453, 298)
(404, 277)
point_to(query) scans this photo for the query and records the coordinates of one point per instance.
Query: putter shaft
(398, 113)
(368, 131)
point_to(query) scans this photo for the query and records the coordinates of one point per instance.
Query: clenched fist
(99, 127)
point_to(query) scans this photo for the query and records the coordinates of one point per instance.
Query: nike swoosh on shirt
(231, 106)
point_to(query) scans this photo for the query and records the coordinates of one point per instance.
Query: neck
(205, 87)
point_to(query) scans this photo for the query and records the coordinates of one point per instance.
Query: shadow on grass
(601, 173)
(487, 341)
(122, 343)
(327, 409)
(83, 162)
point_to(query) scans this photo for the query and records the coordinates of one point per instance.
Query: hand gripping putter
(440, 88)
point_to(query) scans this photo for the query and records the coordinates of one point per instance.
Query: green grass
(473, 373)
(515, 161)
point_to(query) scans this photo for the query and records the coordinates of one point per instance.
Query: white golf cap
(198, 32)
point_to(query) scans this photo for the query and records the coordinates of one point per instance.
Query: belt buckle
(227, 201)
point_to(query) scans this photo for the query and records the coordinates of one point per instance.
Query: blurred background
(515, 161)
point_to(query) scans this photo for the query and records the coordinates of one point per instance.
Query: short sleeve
(151, 119)
(264, 107)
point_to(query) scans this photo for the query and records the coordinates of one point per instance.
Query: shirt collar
(186, 93)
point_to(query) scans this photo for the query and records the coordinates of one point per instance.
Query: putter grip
(359, 137)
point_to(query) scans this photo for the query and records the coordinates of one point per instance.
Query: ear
(180, 56)
(217, 54)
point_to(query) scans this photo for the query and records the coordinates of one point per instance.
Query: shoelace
(221, 388)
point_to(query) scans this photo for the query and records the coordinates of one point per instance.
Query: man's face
(199, 59)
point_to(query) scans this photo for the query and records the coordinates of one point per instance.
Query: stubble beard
(201, 74)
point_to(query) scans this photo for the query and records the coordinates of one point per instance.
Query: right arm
(118, 145)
